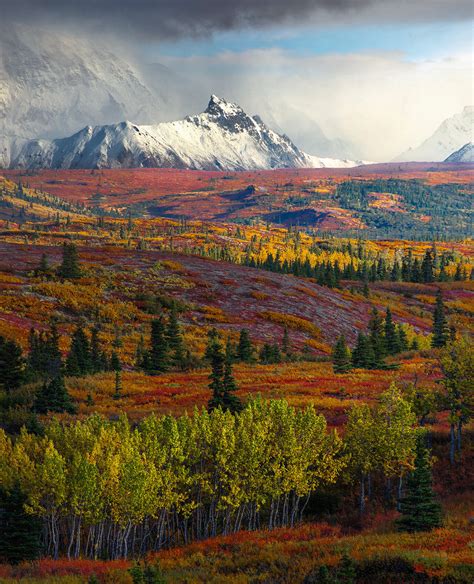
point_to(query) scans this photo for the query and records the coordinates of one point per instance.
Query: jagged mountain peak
(219, 107)
(223, 137)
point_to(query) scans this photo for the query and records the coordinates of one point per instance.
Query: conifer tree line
(430, 269)
(382, 339)
(109, 489)
(385, 338)
(166, 349)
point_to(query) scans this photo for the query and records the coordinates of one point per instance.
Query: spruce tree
(341, 356)
(158, 355)
(216, 378)
(11, 365)
(427, 267)
(98, 359)
(43, 268)
(419, 508)
(79, 361)
(118, 384)
(363, 354)
(44, 358)
(440, 324)
(115, 364)
(391, 336)
(20, 533)
(175, 340)
(245, 348)
(70, 268)
(377, 340)
(403, 343)
(54, 397)
(229, 400)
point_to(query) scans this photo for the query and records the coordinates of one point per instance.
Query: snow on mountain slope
(451, 135)
(464, 154)
(52, 85)
(223, 137)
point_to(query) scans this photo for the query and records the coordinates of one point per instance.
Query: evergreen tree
(98, 359)
(11, 365)
(54, 397)
(175, 340)
(377, 340)
(346, 571)
(70, 268)
(403, 343)
(44, 358)
(140, 353)
(427, 267)
(391, 336)
(440, 324)
(118, 384)
(115, 364)
(216, 378)
(420, 511)
(363, 354)
(341, 356)
(244, 348)
(20, 533)
(157, 361)
(229, 400)
(43, 268)
(79, 361)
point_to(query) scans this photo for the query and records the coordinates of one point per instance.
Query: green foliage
(270, 353)
(157, 360)
(420, 511)
(146, 574)
(222, 383)
(167, 474)
(70, 268)
(54, 397)
(44, 357)
(440, 323)
(341, 356)
(11, 365)
(175, 340)
(19, 532)
(245, 350)
(79, 360)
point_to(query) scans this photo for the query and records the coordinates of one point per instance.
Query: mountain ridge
(464, 154)
(223, 137)
(451, 135)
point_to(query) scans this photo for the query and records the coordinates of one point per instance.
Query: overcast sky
(381, 73)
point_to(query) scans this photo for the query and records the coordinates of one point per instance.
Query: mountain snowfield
(52, 85)
(464, 154)
(223, 137)
(450, 136)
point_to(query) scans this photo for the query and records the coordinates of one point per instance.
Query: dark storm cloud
(178, 18)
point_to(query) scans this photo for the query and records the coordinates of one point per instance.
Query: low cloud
(377, 100)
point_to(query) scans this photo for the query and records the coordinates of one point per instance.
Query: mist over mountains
(53, 85)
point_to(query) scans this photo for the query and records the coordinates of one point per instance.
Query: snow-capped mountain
(451, 135)
(52, 85)
(222, 137)
(464, 154)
